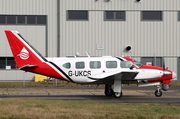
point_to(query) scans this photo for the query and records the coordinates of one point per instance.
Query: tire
(108, 93)
(158, 94)
(117, 94)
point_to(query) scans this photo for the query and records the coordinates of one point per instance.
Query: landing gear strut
(158, 92)
(108, 90)
(117, 87)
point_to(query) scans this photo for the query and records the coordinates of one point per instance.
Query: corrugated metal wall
(36, 7)
(147, 38)
(38, 35)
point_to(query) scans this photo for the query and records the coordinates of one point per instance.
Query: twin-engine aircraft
(89, 70)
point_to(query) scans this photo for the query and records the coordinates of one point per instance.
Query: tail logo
(24, 54)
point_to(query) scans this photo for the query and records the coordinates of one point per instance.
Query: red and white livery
(106, 70)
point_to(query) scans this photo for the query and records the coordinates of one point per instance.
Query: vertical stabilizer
(23, 52)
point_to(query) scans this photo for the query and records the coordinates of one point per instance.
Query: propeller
(165, 73)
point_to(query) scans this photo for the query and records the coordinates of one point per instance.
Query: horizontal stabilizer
(28, 66)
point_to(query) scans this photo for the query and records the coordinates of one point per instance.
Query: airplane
(106, 70)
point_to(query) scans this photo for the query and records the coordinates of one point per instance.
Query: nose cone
(174, 75)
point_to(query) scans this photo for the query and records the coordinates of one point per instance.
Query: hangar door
(153, 61)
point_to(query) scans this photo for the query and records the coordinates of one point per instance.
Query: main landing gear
(117, 94)
(158, 92)
(109, 92)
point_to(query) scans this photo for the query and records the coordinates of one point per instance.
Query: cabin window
(95, 64)
(111, 64)
(67, 65)
(126, 64)
(80, 65)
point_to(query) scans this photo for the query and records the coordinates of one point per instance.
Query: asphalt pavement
(130, 94)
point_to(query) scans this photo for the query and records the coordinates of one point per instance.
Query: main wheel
(108, 92)
(158, 93)
(117, 94)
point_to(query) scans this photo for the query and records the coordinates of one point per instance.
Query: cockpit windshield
(138, 64)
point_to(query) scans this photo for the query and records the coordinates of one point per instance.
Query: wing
(125, 75)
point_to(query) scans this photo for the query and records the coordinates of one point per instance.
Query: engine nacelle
(165, 87)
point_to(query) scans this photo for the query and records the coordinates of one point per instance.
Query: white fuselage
(80, 68)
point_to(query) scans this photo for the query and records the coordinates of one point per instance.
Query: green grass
(46, 109)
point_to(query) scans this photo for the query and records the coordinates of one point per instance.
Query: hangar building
(59, 28)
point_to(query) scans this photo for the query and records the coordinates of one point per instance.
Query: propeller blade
(163, 68)
(163, 65)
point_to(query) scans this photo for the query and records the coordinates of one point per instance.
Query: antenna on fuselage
(87, 54)
(77, 54)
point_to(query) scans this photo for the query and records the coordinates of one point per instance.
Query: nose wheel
(158, 92)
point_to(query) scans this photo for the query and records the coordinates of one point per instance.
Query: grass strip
(53, 109)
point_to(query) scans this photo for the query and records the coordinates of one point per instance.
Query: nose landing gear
(158, 92)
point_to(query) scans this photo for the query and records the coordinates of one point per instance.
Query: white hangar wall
(42, 36)
(146, 38)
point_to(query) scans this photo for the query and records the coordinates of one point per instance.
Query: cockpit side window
(67, 65)
(126, 64)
